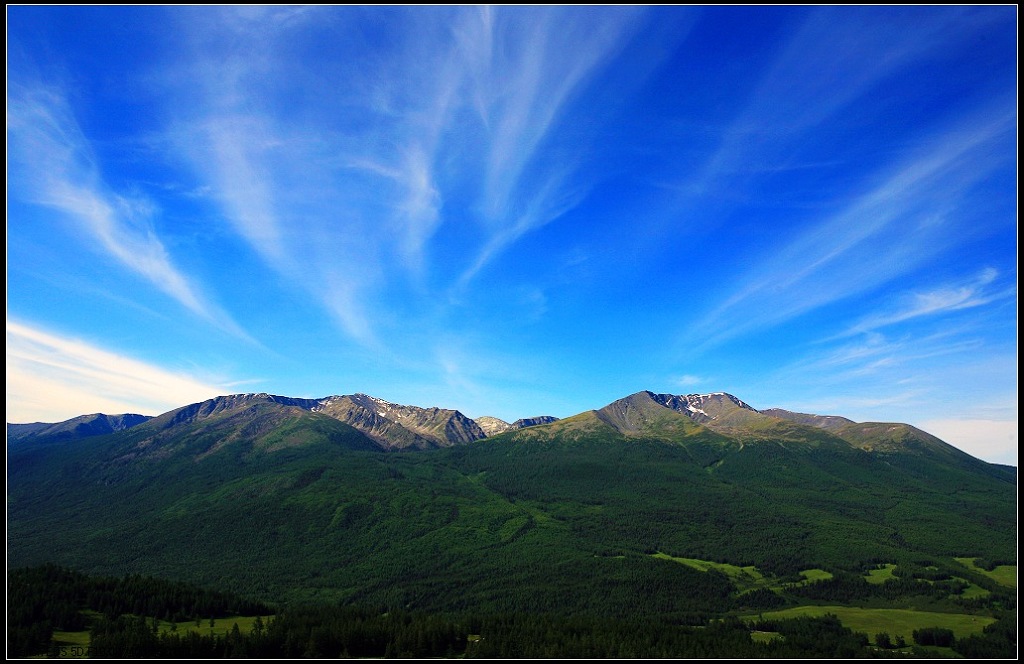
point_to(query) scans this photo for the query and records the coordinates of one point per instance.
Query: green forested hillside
(287, 505)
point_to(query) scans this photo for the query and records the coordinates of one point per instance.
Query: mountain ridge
(492, 426)
(393, 427)
(823, 421)
(279, 496)
(82, 426)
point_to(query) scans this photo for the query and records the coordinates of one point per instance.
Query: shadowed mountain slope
(83, 426)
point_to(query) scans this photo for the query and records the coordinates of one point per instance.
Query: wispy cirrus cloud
(479, 92)
(910, 365)
(261, 168)
(834, 57)
(273, 185)
(877, 352)
(944, 299)
(904, 220)
(542, 209)
(528, 83)
(446, 129)
(850, 404)
(51, 378)
(687, 380)
(875, 377)
(237, 146)
(908, 211)
(57, 168)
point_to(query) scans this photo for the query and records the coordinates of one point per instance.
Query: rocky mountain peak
(525, 422)
(704, 408)
(492, 426)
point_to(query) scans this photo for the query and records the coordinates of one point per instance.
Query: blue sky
(516, 211)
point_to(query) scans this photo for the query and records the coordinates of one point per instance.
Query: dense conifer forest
(145, 617)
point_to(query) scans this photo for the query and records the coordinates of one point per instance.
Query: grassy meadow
(1005, 575)
(894, 622)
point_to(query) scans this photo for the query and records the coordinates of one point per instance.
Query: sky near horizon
(516, 211)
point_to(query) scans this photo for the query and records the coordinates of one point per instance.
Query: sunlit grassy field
(894, 622)
(1005, 575)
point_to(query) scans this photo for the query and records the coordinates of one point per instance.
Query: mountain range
(82, 426)
(353, 498)
(392, 427)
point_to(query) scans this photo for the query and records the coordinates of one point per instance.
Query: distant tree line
(322, 632)
(847, 587)
(42, 599)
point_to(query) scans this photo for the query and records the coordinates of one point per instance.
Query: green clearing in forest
(973, 591)
(71, 645)
(881, 574)
(812, 575)
(74, 644)
(71, 638)
(749, 577)
(894, 622)
(744, 578)
(220, 625)
(1005, 575)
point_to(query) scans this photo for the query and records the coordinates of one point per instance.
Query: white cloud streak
(884, 360)
(51, 378)
(543, 208)
(908, 215)
(883, 233)
(799, 90)
(687, 380)
(237, 148)
(848, 406)
(529, 83)
(448, 125)
(937, 301)
(60, 171)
